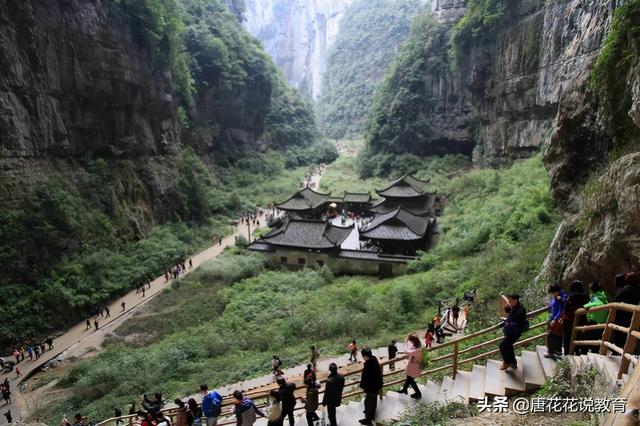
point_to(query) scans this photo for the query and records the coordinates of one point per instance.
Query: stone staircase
(295, 373)
(470, 386)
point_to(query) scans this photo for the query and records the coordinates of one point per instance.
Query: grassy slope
(212, 327)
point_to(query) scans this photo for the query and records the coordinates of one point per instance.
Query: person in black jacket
(333, 393)
(514, 325)
(628, 292)
(371, 383)
(153, 406)
(288, 399)
(576, 300)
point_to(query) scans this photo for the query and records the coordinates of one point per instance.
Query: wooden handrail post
(382, 388)
(455, 359)
(606, 335)
(630, 344)
(574, 333)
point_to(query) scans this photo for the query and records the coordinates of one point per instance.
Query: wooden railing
(604, 343)
(261, 394)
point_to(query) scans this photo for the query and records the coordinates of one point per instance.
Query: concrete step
(611, 366)
(575, 362)
(460, 390)
(494, 381)
(348, 415)
(596, 360)
(446, 388)
(476, 386)
(391, 407)
(430, 391)
(534, 376)
(514, 379)
(548, 364)
(585, 360)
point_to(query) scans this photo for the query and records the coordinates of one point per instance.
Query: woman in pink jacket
(413, 370)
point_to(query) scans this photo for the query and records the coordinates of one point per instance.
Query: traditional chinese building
(399, 232)
(407, 192)
(306, 203)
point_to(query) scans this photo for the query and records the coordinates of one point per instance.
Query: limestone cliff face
(516, 82)
(297, 34)
(600, 233)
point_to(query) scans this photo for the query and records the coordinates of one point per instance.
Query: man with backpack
(245, 410)
(211, 405)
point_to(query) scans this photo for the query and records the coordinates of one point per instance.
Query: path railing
(605, 343)
(465, 350)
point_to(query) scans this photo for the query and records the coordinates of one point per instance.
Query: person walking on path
(245, 410)
(6, 394)
(311, 398)
(275, 409)
(286, 391)
(428, 337)
(514, 324)
(392, 351)
(181, 413)
(18, 372)
(194, 415)
(332, 398)
(77, 421)
(211, 405)
(142, 291)
(108, 312)
(598, 298)
(371, 383)
(88, 324)
(413, 368)
(575, 300)
(353, 351)
(123, 304)
(153, 406)
(555, 321)
(95, 323)
(315, 355)
(628, 292)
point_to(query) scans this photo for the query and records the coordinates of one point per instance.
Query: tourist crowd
(562, 316)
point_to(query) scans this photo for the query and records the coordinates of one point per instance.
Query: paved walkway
(80, 340)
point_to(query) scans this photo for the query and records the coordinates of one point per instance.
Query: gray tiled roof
(356, 197)
(418, 206)
(259, 246)
(374, 256)
(309, 234)
(398, 224)
(405, 187)
(305, 199)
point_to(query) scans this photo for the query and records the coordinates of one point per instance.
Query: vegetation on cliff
(481, 21)
(615, 70)
(230, 316)
(369, 36)
(399, 118)
(71, 249)
(102, 225)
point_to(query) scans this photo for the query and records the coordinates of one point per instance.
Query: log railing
(261, 394)
(604, 343)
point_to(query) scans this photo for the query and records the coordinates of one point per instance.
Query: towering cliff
(593, 158)
(297, 34)
(497, 88)
(369, 37)
(116, 116)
